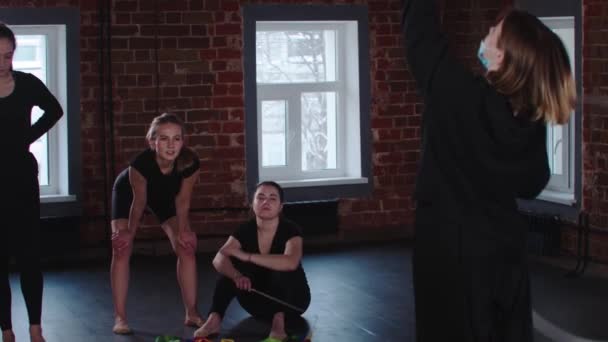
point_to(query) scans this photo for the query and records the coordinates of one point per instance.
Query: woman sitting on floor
(263, 254)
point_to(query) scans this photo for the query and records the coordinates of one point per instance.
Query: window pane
(274, 119)
(25, 53)
(30, 57)
(555, 146)
(560, 138)
(319, 122)
(295, 56)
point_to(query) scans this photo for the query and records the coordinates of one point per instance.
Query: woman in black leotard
(160, 179)
(19, 93)
(264, 253)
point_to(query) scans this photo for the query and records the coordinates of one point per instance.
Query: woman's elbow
(293, 264)
(217, 262)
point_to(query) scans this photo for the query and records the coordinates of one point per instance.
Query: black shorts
(122, 197)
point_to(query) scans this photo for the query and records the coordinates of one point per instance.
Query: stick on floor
(293, 307)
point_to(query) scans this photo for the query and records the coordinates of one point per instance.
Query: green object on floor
(271, 339)
(167, 338)
(292, 338)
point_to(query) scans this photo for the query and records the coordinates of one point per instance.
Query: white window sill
(322, 182)
(57, 198)
(557, 197)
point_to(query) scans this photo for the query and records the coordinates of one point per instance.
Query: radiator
(544, 235)
(314, 217)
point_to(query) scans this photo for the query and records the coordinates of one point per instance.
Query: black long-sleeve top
(477, 155)
(16, 109)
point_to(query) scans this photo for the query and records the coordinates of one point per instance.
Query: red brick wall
(198, 48)
(201, 78)
(200, 73)
(467, 23)
(595, 122)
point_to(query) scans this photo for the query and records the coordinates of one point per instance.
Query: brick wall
(193, 50)
(200, 72)
(467, 23)
(595, 122)
(198, 46)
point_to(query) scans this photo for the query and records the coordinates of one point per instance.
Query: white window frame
(560, 188)
(346, 88)
(56, 81)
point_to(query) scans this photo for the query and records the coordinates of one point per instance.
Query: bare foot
(277, 330)
(36, 333)
(194, 320)
(210, 327)
(8, 336)
(121, 327)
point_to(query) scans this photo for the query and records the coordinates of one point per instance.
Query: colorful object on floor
(167, 338)
(226, 340)
(271, 339)
(300, 338)
(201, 339)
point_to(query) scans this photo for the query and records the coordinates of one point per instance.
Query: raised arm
(48, 103)
(437, 73)
(138, 185)
(425, 44)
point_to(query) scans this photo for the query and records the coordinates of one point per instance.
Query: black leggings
(286, 286)
(21, 240)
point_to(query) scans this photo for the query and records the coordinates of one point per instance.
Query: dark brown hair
(274, 185)
(7, 33)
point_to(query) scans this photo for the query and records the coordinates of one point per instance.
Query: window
(310, 113)
(561, 138)
(48, 46)
(300, 71)
(39, 53)
(563, 194)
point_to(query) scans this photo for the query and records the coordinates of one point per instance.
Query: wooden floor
(359, 294)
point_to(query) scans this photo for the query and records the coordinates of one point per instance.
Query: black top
(247, 235)
(15, 112)
(160, 187)
(477, 155)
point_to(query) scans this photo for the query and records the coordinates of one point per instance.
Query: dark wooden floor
(359, 294)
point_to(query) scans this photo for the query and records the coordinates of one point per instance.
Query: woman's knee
(184, 253)
(122, 254)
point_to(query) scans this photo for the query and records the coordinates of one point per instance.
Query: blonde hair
(187, 156)
(535, 73)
